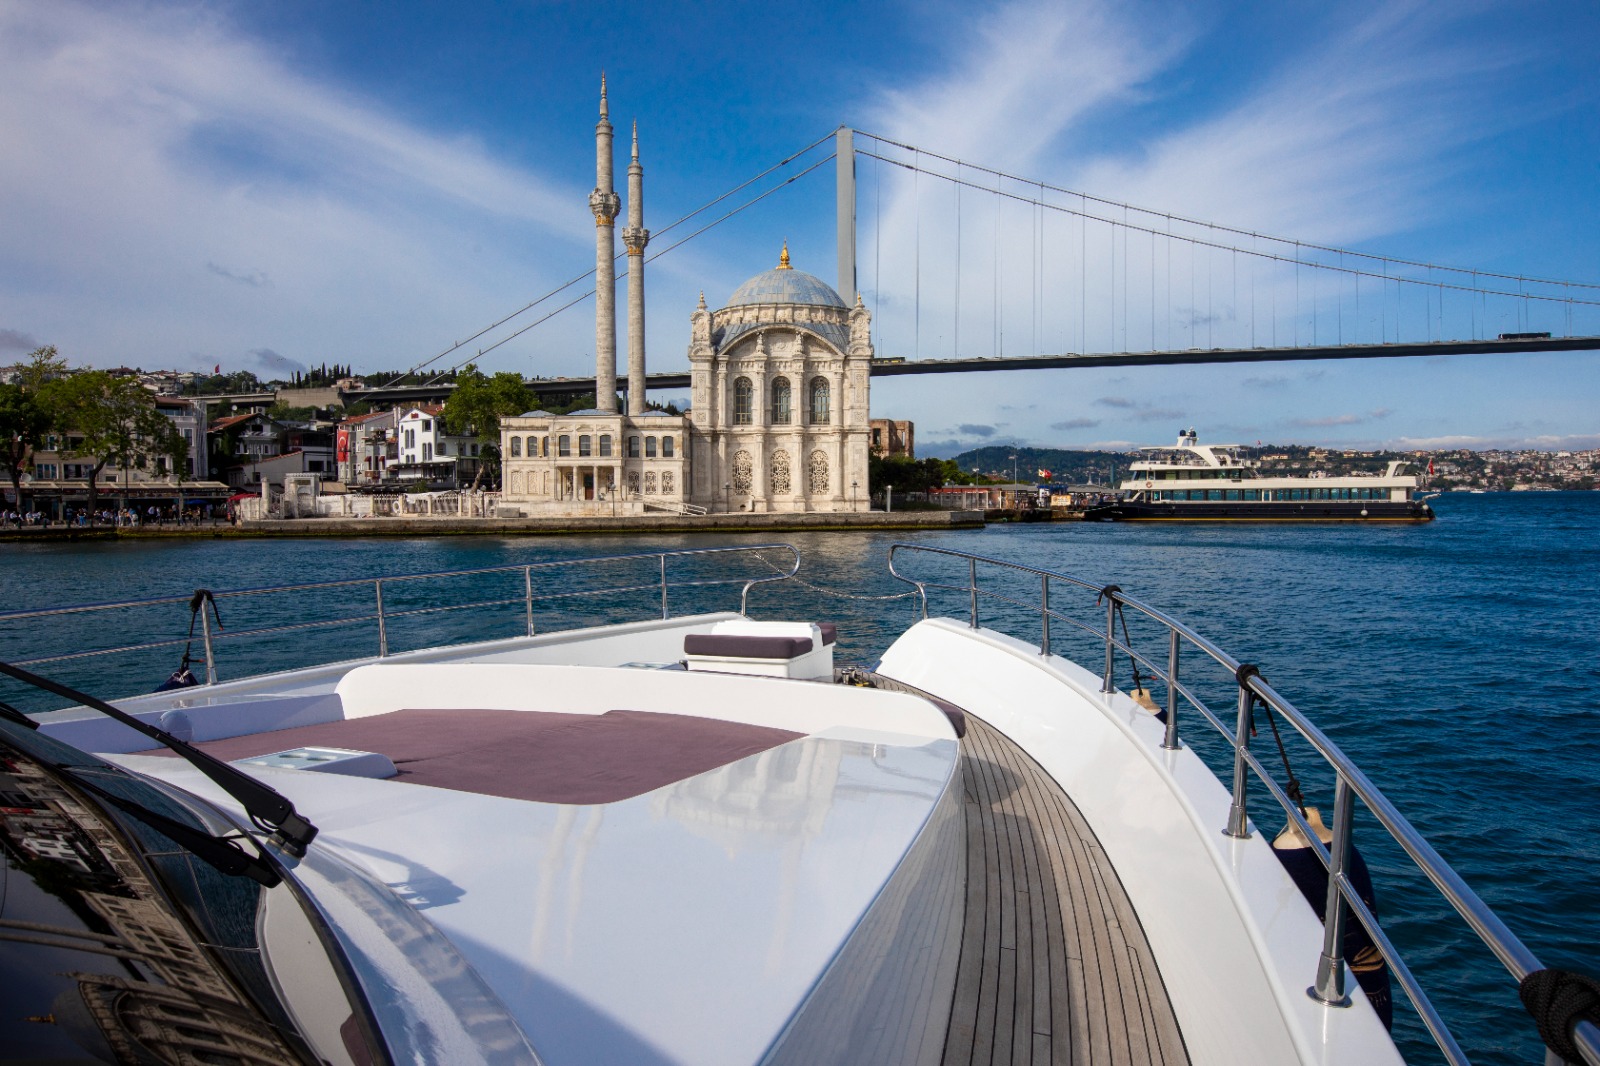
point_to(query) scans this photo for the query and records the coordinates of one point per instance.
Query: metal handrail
(383, 615)
(1350, 784)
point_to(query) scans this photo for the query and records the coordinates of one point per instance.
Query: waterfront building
(779, 378)
(892, 439)
(425, 451)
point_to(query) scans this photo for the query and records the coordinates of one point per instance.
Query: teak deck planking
(1054, 965)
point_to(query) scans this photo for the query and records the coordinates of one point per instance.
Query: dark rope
(1558, 1001)
(1110, 593)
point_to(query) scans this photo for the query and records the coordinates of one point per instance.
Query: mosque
(778, 420)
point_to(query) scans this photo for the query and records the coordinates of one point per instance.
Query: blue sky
(269, 186)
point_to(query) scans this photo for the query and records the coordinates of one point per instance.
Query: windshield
(118, 945)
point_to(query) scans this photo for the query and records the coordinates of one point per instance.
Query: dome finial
(783, 259)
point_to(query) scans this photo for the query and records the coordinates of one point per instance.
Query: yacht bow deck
(1055, 967)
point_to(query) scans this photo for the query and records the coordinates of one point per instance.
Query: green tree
(26, 415)
(114, 421)
(476, 407)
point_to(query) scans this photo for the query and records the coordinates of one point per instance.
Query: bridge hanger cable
(684, 240)
(590, 273)
(1287, 259)
(1082, 196)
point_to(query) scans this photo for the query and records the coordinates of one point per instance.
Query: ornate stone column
(604, 202)
(634, 238)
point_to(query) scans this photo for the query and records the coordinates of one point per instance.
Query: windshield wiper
(268, 808)
(10, 712)
(219, 852)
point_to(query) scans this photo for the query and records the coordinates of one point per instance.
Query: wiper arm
(219, 852)
(9, 712)
(268, 808)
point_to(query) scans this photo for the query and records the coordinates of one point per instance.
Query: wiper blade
(219, 852)
(10, 712)
(267, 807)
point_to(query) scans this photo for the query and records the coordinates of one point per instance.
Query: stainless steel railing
(1350, 783)
(658, 563)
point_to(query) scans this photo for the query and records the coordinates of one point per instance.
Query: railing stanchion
(1170, 742)
(664, 585)
(1238, 813)
(1109, 683)
(383, 629)
(527, 595)
(1329, 988)
(972, 585)
(205, 638)
(1044, 615)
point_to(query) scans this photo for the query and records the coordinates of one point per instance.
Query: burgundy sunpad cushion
(830, 632)
(542, 756)
(736, 646)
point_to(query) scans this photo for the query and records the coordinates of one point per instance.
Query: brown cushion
(830, 632)
(543, 756)
(738, 646)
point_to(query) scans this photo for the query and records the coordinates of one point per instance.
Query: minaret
(635, 237)
(605, 204)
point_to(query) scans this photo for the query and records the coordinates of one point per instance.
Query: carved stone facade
(590, 462)
(778, 420)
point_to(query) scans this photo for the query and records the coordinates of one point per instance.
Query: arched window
(649, 447)
(819, 401)
(544, 447)
(516, 447)
(605, 445)
(743, 402)
(564, 446)
(585, 445)
(819, 473)
(633, 447)
(666, 447)
(780, 401)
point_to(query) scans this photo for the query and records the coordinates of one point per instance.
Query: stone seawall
(467, 527)
(566, 526)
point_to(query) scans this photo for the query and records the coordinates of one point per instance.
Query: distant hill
(1065, 466)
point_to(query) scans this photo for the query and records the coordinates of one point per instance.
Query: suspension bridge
(968, 268)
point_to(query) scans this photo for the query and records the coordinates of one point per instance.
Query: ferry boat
(692, 839)
(1190, 481)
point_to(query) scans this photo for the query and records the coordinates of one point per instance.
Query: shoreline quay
(451, 525)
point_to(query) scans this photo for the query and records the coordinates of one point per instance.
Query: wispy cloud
(14, 340)
(1121, 402)
(975, 430)
(151, 148)
(1076, 423)
(275, 364)
(254, 278)
(1340, 420)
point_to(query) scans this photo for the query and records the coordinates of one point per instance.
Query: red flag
(1430, 466)
(217, 369)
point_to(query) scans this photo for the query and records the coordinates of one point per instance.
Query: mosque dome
(785, 285)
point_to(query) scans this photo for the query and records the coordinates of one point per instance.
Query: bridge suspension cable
(702, 209)
(1240, 280)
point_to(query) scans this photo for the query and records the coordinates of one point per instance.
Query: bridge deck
(1054, 965)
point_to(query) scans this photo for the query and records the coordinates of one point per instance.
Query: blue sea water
(1455, 662)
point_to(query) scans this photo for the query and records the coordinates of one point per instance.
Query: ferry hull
(1264, 511)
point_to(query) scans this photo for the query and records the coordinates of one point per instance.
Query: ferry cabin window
(780, 402)
(633, 447)
(605, 445)
(516, 447)
(585, 445)
(743, 400)
(649, 447)
(666, 447)
(564, 445)
(819, 401)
